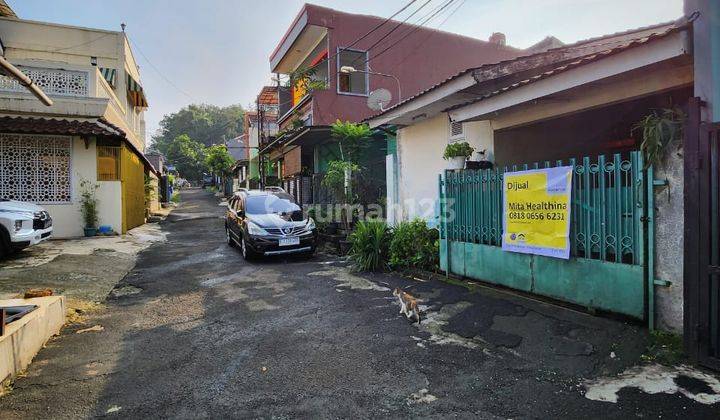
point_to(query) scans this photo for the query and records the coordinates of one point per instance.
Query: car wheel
(310, 253)
(228, 237)
(246, 252)
(5, 248)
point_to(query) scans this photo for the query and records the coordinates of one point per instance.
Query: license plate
(289, 241)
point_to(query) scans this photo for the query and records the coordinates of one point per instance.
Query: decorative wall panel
(35, 168)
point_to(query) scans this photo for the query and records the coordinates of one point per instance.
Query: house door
(709, 280)
(702, 239)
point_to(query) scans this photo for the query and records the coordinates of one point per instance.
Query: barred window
(35, 168)
(108, 163)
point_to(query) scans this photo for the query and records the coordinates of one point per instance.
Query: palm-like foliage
(369, 250)
(659, 129)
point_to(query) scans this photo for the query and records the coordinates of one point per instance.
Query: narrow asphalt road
(194, 331)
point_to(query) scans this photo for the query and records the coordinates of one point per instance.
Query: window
(354, 83)
(268, 204)
(457, 131)
(108, 163)
(35, 168)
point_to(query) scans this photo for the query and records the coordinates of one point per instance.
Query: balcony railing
(57, 82)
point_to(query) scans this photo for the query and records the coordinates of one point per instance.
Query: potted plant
(88, 207)
(457, 153)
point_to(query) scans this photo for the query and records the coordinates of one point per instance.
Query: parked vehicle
(22, 225)
(267, 223)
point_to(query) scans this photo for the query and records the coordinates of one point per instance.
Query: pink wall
(424, 58)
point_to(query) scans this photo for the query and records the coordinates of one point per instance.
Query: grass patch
(175, 198)
(665, 348)
(471, 287)
(77, 309)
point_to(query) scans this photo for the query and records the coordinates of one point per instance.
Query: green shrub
(458, 149)
(175, 197)
(369, 249)
(414, 246)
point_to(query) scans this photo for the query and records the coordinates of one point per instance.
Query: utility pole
(261, 159)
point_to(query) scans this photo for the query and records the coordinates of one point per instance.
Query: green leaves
(89, 203)
(369, 249)
(334, 179)
(659, 129)
(206, 124)
(353, 138)
(458, 149)
(187, 155)
(409, 245)
(218, 159)
(414, 246)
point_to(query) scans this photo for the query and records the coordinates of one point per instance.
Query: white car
(22, 225)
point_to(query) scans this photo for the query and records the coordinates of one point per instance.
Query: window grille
(456, 131)
(35, 168)
(108, 163)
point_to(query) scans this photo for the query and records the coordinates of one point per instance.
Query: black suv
(268, 222)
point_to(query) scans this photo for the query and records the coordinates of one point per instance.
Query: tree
(187, 155)
(352, 137)
(206, 124)
(218, 160)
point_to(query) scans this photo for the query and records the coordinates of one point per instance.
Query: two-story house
(399, 57)
(259, 128)
(94, 130)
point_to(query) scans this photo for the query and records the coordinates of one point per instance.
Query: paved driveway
(194, 331)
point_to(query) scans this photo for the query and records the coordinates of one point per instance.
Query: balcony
(76, 92)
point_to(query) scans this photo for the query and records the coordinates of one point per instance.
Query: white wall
(67, 219)
(420, 148)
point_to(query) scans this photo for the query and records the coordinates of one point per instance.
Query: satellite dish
(379, 99)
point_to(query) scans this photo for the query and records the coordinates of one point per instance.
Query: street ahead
(195, 331)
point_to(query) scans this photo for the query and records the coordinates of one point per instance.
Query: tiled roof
(69, 127)
(268, 95)
(6, 10)
(614, 48)
(606, 43)
(76, 127)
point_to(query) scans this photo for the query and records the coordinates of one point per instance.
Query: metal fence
(607, 206)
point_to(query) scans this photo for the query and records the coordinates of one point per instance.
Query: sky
(216, 51)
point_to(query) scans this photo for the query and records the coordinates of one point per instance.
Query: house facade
(571, 105)
(94, 131)
(345, 68)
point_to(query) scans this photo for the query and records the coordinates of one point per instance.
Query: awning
(108, 75)
(136, 94)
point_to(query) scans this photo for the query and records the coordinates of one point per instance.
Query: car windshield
(266, 204)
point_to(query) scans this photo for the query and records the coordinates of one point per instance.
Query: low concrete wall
(26, 336)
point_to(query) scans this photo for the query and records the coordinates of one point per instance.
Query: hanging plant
(660, 129)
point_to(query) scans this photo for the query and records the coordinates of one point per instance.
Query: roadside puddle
(348, 280)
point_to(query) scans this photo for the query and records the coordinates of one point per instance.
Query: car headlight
(18, 225)
(310, 224)
(254, 229)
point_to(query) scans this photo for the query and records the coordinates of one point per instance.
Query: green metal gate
(609, 259)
